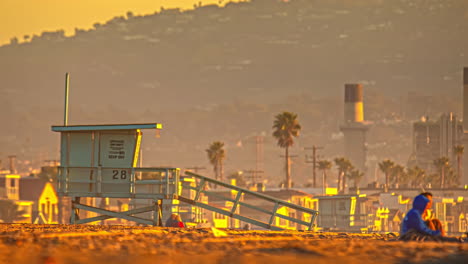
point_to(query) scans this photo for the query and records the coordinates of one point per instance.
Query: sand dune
(76, 244)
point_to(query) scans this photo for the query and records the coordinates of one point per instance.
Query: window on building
(282, 221)
(292, 214)
(219, 216)
(315, 205)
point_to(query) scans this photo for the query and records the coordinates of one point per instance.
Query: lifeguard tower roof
(106, 127)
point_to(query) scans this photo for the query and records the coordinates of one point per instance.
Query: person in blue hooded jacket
(414, 221)
(415, 228)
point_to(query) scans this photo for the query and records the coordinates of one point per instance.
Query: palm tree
(344, 165)
(416, 175)
(442, 164)
(458, 150)
(324, 166)
(386, 167)
(9, 211)
(431, 178)
(356, 175)
(397, 172)
(451, 178)
(285, 128)
(216, 156)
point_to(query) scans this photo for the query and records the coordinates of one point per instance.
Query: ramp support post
(75, 213)
(157, 212)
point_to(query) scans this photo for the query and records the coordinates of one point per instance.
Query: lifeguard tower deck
(101, 161)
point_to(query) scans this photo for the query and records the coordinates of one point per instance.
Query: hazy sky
(28, 17)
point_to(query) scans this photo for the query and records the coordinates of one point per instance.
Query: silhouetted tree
(451, 178)
(386, 167)
(324, 166)
(285, 128)
(14, 41)
(344, 165)
(442, 164)
(431, 179)
(396, 173)
(416, 176)
(356, 176)
(216, 156)
(459, 150)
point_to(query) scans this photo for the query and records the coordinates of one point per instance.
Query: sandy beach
(74, 244)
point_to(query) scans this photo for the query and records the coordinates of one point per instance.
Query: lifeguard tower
(101, 161)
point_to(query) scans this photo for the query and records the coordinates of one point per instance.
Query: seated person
(172, 220)
(178, 222)
(414, 227)
(432, 223)
(413, 223)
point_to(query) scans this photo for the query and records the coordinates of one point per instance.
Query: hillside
(222, 74)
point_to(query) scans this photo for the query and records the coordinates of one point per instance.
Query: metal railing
(145, 183)
(164, 183)
(301, 215)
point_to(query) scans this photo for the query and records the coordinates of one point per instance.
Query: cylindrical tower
(354, 128)
(353, 108)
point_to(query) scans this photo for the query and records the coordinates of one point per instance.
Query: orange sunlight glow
(31, 17)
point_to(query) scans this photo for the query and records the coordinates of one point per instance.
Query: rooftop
(106, 127)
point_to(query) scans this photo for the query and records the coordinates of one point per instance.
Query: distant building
(354, 127)
(42, 198)
(435, 139)
(9, 186)
(464, 179)
(345, 213)
(35, 198)
(417, 104)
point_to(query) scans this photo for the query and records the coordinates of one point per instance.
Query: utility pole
(258, 155)
(314, 163)
(254, 175)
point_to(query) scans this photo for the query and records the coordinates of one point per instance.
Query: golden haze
(29, 17)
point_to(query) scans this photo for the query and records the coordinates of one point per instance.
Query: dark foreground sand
(57, 244)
